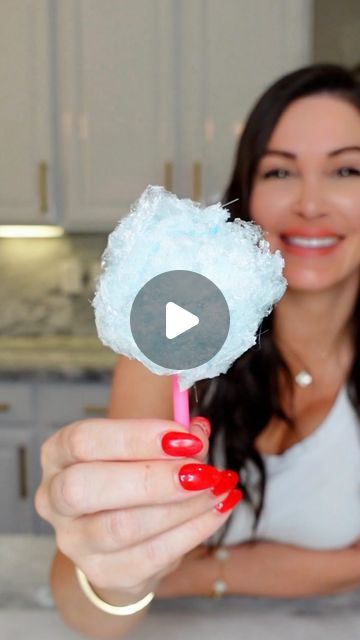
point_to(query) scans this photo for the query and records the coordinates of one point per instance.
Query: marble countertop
(27, 609)
(54, 357)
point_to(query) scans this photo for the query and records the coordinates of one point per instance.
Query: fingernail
(228, 480)
(195, 476)
(203, 423)
(230, 501)
(177, 443)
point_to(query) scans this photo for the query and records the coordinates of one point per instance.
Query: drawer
(63, 403)
(16, 402)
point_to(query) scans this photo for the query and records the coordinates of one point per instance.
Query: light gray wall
(337, 31)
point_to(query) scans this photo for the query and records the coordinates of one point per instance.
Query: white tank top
(312, 495)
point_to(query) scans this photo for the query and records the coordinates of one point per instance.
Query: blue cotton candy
(163, 233)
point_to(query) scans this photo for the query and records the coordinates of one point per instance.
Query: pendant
(303, 378)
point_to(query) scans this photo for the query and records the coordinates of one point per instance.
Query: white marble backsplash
(46, 285)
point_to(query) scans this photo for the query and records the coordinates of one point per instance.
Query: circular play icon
(179, 319)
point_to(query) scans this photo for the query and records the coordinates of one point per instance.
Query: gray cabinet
(17, 455)
(29, 414)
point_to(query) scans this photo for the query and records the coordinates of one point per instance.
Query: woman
(286, 415)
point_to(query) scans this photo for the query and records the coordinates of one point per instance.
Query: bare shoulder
(138, 393)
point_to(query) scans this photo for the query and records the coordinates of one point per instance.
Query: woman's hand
(128, 498)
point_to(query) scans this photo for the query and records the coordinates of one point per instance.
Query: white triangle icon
(178, 320)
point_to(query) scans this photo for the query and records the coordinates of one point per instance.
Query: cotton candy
(164, 233)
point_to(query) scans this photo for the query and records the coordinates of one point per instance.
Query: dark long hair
(241, 402)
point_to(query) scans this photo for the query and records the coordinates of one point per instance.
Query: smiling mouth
(311, 243)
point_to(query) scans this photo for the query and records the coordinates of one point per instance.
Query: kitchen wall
(46, 285)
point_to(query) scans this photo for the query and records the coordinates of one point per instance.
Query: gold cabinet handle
(22, 457)
(4, 407)
(168, 176)
(43, 188)
(196, 181)
(91, 409)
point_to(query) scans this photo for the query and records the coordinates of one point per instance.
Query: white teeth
(300, 241)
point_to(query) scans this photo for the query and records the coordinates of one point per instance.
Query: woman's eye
(276, 173)
(345, 172)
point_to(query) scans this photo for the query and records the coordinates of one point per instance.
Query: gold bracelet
(126, 610)
(220, 587)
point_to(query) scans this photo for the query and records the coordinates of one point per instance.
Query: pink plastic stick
(181, 410)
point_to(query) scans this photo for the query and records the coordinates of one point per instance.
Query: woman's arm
(255, 569)
(267, 569)
(259, 569)
(138, 393)
(80, 614)
(135, 393)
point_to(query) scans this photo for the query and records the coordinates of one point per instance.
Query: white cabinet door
(127, 88)
(16, 486)
(116, 76)
(27, 175)
(230, 51)
(145, 83)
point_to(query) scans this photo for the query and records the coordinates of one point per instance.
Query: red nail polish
(230, 501)
(195, 476)
(228, 480)
(203, 423)
(178, 443)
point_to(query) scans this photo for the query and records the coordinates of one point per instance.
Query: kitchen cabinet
(17, 452)
(17, 449)
(100, 99)
(156, 93)
(29, 414)
(27, 159)
(116, 65)
(227, 54)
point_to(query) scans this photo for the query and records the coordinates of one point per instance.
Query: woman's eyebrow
(275, 152)
(292, 156)
(342, 150)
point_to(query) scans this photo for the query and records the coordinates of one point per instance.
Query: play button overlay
(179, 319)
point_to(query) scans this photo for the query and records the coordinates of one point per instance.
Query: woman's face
(306, 192)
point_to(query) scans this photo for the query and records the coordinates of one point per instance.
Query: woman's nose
(309, 202)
